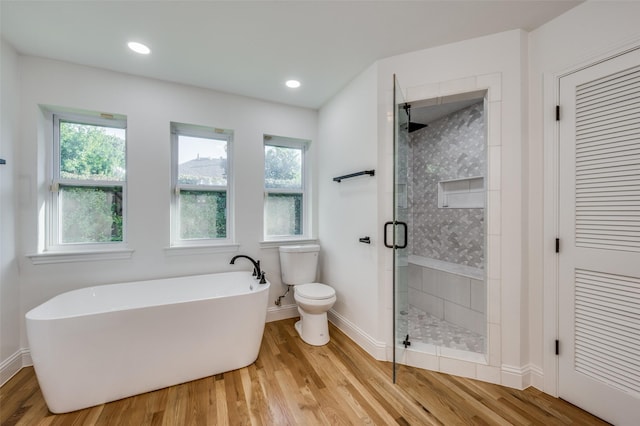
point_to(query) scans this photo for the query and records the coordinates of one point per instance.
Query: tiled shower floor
(428, 329)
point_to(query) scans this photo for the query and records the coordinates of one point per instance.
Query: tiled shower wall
(452, 147)
(452, 297)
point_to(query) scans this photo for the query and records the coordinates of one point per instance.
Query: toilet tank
(299, 264)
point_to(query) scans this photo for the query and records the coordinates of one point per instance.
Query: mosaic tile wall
(452, 147)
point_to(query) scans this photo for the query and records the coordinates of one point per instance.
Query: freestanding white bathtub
(104, 343)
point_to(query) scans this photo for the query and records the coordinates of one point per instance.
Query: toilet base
(313, 328)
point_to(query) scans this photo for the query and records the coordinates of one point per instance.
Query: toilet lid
(315, 291)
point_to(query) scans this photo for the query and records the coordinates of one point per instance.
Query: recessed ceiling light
(139, 48)
(293, 84)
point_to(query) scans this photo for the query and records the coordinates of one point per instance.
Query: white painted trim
(512, 376)
(271, 244)
(12, 365)
(373, 347)
(203, 249)
(282, 312)
(536, 377)
(522, 377)
(26, 357)
(87, 256)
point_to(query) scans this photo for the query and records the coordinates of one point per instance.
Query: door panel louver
(608, 162)
(607, 328)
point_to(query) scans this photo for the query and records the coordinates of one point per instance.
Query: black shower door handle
(386, 243)
(406, 235)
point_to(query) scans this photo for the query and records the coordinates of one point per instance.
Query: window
(88, 201)
(285, 187)
(201, 174)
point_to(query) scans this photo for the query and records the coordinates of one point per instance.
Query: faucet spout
(256, 264)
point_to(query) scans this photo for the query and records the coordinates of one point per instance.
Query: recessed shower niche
(441, 150)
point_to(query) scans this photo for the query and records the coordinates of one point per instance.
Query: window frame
(205, 132)
(53, 233)
(303, 146)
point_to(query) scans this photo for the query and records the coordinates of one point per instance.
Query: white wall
(457, 68)
(150, 106)
(589, 32)
(9, 286)
(348, 210)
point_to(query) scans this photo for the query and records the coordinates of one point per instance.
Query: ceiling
(251, 47)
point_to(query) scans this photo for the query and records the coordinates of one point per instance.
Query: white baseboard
(536, 375)
(277, 313)
(10, 367)
(522, 377)
(13, 364)
(373, 347)
(26, 358)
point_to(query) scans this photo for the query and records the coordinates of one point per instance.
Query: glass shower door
(400, 228)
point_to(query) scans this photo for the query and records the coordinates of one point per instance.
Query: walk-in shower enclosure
(439, 234)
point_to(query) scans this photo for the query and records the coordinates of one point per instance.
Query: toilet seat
(315, 291)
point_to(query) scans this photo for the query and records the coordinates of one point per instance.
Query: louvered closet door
(599, 224)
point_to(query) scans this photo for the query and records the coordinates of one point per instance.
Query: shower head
(411, 126)
(416, 126)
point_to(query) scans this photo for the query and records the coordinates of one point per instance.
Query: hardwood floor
(292, 383)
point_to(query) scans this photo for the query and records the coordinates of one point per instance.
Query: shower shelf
(364, 172)
(462, 193)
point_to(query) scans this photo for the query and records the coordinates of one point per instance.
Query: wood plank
(348, 388)
(463, 398)
(13, 395)
(293, 383)
(275, 398)
(196, 412)
(37, 410)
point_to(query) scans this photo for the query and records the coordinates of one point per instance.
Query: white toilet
(298, 267)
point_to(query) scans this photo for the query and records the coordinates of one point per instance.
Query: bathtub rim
(29, 316)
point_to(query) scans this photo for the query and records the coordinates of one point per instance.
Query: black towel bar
(364, 172)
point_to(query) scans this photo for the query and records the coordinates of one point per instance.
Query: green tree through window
(90, 152)
(90, 178)
(283, 167)
(284, 187)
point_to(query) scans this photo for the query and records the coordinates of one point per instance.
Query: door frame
(551, 211)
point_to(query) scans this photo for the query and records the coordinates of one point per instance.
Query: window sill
(287, 242)
(79, 256)
(191, 250)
